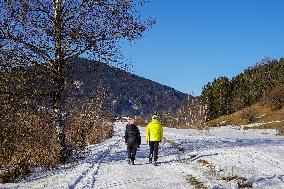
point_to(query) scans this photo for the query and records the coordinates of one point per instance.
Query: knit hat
(154, 117)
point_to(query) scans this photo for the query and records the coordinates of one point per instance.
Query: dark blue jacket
(132, 135)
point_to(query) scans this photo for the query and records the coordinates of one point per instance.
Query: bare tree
(51, 32)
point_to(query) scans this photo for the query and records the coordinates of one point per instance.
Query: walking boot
(150, 159)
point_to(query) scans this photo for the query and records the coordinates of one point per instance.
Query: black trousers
(131, 150)
(154, 147)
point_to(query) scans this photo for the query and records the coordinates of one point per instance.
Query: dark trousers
(131, 152)
(154, 147)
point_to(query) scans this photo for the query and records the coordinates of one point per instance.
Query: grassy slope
(257, 113)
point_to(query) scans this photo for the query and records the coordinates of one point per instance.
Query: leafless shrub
(100, 132)
(27, 142)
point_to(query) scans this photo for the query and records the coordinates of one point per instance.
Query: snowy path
(114, 172)
(209, 157)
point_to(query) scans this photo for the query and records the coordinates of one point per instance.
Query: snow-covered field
(257, 155)
(216, 158)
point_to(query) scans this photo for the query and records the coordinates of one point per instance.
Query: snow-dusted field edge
(209, 157)
(257, 155)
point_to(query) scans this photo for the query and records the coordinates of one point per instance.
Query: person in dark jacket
(132, 140)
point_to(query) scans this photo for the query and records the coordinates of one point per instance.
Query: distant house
(122, 119)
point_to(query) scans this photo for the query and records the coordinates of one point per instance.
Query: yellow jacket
(154, 131)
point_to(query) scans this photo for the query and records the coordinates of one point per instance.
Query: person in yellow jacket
(154, 135)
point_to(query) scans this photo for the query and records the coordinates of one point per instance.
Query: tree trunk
(59, 82)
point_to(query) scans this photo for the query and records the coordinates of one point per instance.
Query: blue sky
(195, 41)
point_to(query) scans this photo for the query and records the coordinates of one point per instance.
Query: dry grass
(195, 182)
(257, 113)
(235, 177)
(203, 162)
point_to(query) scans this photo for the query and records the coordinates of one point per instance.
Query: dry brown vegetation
(28, 135)
(82, 130)
(195, 182)
(29, 141)
(203, 162)
(241, 117)
(258, 113)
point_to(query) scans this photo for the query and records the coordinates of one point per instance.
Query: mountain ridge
(127, 93)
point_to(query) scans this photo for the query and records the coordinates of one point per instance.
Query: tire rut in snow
(87, 178)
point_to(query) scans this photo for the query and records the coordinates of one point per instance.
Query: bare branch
(31, 47)
(69, 17)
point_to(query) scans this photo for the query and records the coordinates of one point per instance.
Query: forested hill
(126, 93)
(262, 82)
